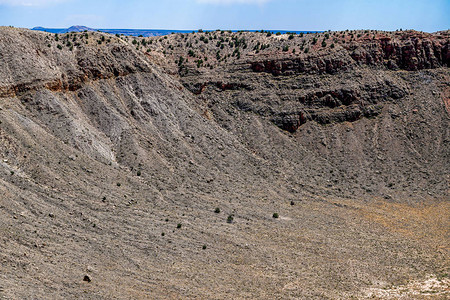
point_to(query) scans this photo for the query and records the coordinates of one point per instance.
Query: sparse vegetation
(230, 219)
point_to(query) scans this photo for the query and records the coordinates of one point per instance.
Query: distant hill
(75, 28)
(135, 32)
(78, 28)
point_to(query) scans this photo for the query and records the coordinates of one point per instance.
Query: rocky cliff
(327, 90)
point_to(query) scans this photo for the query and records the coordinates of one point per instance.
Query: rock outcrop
(408, 52)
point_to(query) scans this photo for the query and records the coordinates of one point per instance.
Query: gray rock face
(107, 143)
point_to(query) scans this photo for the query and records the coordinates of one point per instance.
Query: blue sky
(426, 15)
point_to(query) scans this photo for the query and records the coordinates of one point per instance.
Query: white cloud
(233, 1)
(29, 2)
